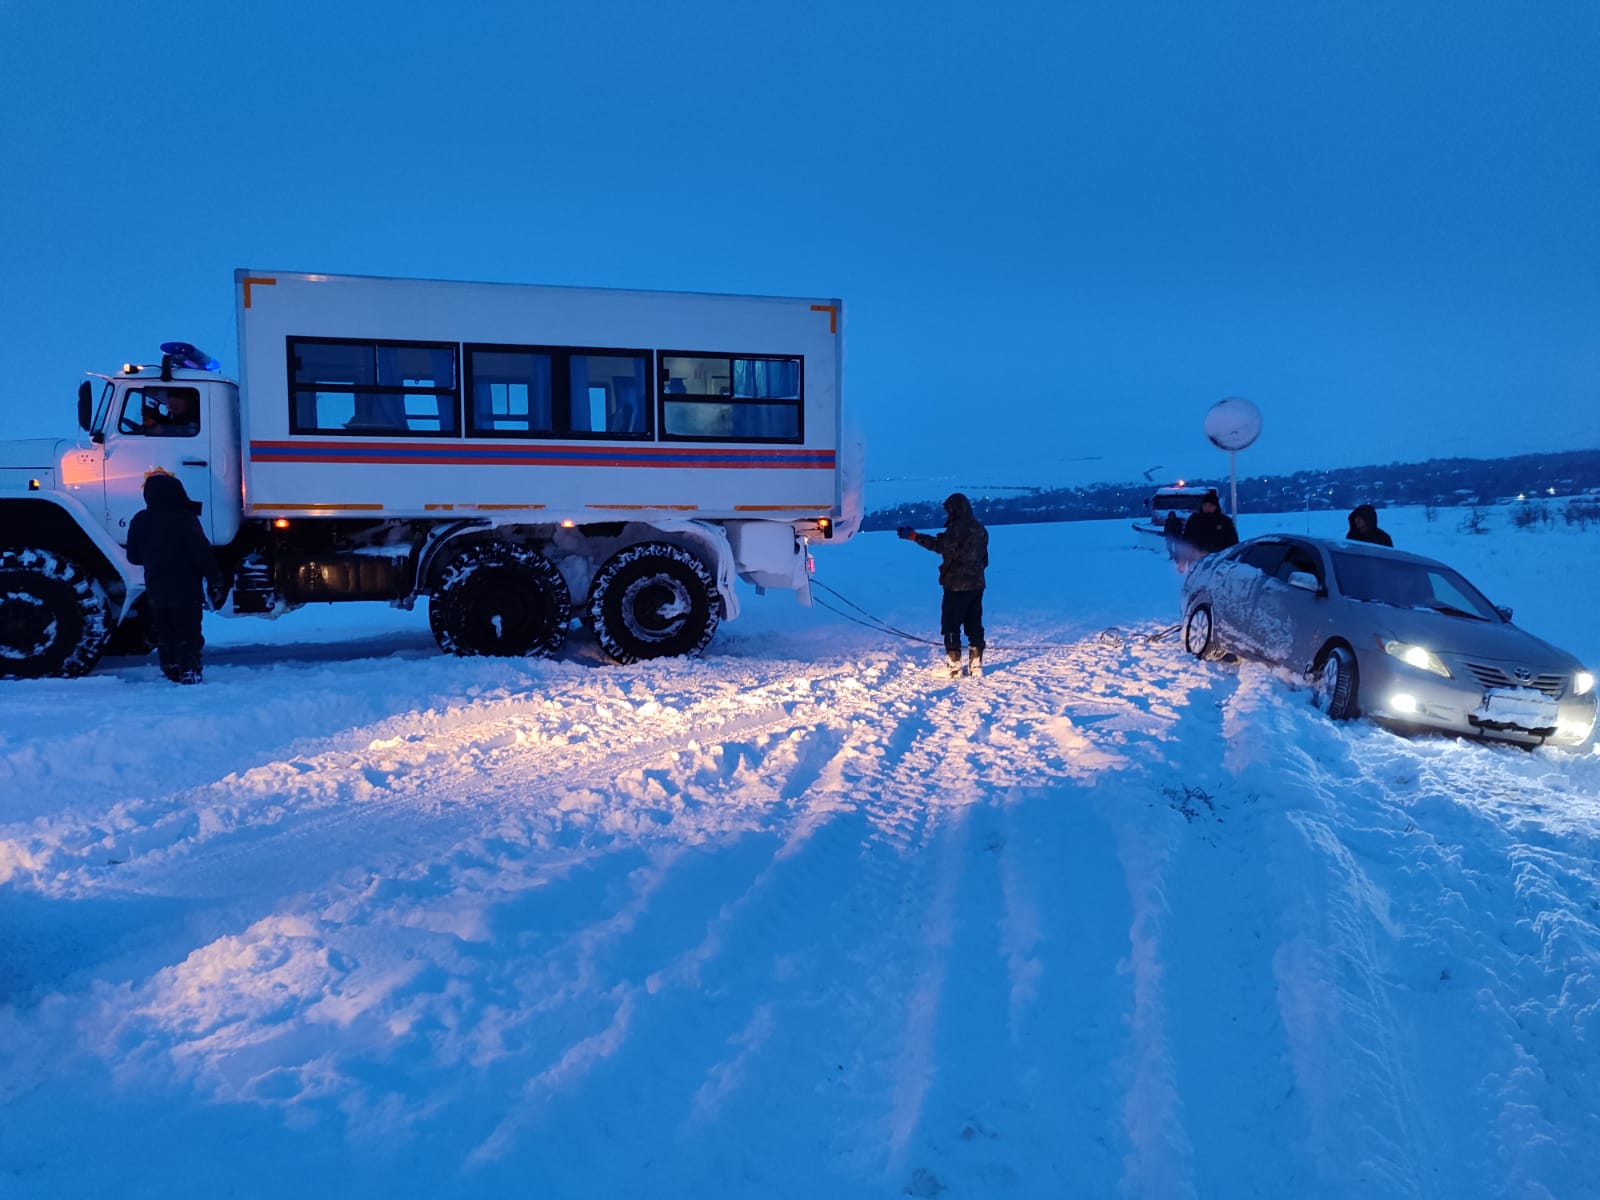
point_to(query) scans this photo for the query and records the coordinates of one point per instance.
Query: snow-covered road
(797, 918)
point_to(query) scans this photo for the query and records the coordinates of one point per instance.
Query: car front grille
(1491, 676)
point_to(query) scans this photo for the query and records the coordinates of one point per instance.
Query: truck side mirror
(85, 405)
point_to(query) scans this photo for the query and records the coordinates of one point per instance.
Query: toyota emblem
(1524, 675)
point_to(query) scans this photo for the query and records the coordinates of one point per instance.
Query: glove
(906, 532)
(216, 595)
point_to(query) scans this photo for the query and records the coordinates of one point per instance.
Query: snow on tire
(497, 598)
(55, 618)
(653, 600)
(1336, 685)
(1199, 634)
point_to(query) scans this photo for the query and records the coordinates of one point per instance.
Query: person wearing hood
(964, 549)
(180, 573)
(1210, 529)
(1364, 527)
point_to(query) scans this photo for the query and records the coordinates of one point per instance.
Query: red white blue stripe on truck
(457, 455)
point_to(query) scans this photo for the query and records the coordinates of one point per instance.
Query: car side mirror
(1303, 580)
(1505, 612)
(85, 405)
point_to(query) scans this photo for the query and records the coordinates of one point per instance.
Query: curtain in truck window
(510, 391)
(557, 392)
(733, 398)
(371, 388)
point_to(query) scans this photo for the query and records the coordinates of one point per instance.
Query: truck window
(367, 388)
(161, 412)
(707, 397)
(557, 392)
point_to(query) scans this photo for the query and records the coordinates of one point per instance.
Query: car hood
(33, 454)
(1494, 641)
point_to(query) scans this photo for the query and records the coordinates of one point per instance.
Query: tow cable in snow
(872, 621)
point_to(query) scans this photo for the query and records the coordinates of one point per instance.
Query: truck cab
(65, 505)
(183, 422)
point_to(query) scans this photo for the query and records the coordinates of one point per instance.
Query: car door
(1286, 616)
(1229, 580)
(1250, 632)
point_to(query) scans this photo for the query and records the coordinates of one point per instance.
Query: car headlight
(1417, 656)
(1582, 683)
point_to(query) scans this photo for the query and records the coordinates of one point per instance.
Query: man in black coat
(1364, 527)
(964, 547)
(1210, 529)
(180, 573)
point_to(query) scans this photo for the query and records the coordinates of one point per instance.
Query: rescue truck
(522, 456)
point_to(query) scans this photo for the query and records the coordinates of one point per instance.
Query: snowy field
(801, 918)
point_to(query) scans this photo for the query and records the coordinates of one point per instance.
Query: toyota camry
(1394, 636)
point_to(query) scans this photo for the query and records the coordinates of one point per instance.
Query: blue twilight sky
(1062, 230)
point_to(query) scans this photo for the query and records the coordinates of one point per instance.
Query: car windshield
(1410, 585)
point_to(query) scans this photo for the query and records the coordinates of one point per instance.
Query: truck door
(156, 426)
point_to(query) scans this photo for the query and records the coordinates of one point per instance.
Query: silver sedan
(1393, 636)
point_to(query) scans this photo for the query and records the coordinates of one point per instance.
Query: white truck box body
(537, 478)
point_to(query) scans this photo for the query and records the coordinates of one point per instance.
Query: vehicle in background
(522, 456)
(1394, 636)
(1180, 499)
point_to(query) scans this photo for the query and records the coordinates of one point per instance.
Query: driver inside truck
(170, 412)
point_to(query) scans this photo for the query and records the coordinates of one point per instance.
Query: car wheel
(1336, 684)
(1199, 638)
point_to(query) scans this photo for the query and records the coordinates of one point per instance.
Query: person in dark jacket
(1364, 527)
(180, 573)
(1209, 530)
(1172, 531)
(964, 548)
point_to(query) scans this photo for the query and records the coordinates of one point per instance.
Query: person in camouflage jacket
(963, 548)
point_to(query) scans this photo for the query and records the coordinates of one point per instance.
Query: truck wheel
(653, 600)
(55, 619)
(501, 599)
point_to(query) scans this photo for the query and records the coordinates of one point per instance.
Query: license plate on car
(1522, 708)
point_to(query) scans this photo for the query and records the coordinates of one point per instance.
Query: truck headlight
(1582, 683)
(1417, 656)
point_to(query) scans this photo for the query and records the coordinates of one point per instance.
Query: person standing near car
(964, 548)
(1209, 530)
(180, 573)
(1172, 532)
(1364, 527)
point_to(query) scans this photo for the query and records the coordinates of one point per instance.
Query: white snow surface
(800, 917)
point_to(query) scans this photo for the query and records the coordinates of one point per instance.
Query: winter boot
(955, 664)
(975, 662)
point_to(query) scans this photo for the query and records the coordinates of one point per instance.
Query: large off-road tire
(1336, 684)
(653, 600)
(1199, 633)
(55, 618)
(501, 599)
